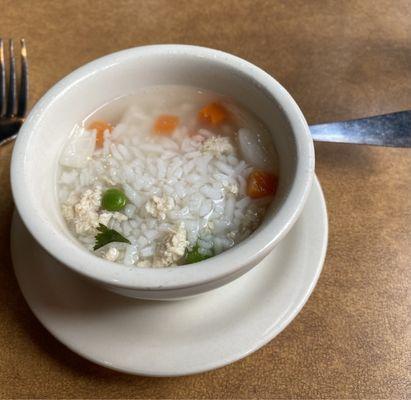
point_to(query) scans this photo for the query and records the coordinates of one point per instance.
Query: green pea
(194, 256)
(113, 200)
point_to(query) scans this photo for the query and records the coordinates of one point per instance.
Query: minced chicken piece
(111, 254)
(158, 206)
(231, 188)
(105, 217)
(218, 145)
(143, 263)
(172, 248)
(83, 214)
(119, 216)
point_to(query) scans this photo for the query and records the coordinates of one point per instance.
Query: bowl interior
(46, 130)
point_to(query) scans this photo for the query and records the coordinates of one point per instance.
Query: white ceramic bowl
(40, 141)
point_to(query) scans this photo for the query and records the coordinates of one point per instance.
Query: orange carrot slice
(100, 127)
(165, 124)
(261, 183)
(213, 113)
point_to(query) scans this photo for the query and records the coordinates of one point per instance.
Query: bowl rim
(236, 260)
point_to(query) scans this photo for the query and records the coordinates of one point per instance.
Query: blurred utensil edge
(13, 92)
(391, 130)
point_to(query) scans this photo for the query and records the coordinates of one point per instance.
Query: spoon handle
(392, 130)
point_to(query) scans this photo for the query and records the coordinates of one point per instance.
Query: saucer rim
(271, 333)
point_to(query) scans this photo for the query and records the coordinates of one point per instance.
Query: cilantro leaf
(108, 236)
(192, 256)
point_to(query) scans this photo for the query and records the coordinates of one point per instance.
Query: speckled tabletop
(339, 59)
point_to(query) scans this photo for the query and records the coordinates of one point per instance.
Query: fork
(13, 106)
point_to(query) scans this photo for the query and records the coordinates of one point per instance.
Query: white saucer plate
(176, 337)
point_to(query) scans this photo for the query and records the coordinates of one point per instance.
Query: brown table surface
(339, 59)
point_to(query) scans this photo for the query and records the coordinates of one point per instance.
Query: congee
(167, 176)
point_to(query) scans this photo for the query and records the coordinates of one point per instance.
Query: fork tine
(24, 81)
(11, 101)
(2, 81)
